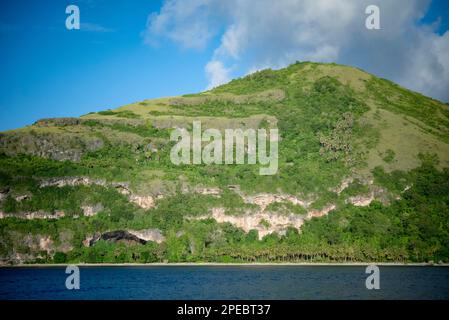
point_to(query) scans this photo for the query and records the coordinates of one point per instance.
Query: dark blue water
(225, 282)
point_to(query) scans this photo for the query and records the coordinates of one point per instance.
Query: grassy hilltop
(363, 176)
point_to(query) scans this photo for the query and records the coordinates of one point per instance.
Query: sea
(233, 282)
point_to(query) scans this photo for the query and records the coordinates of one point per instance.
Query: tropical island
(362, 177)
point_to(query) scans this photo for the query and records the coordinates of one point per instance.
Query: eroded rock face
(319, 213)
(154, 235)
(33, 215)
(37, 243)
(263, 221)
(71, 181)
(123, 189)
(362, 200)
(127, 236)
(263, 200)
(17, 258)
(254, 221)
(90, 211)
(46, 244)
(22, 197)
(145, 202)
(90, 240)
(53, 145)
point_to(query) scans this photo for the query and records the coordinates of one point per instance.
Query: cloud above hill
(259, 34)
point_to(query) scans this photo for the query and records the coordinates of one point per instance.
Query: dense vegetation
(332, 125)
(414, 228)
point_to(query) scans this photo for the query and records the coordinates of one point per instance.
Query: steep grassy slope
(362, 176)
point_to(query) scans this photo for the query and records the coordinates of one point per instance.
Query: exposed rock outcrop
(319, 213)
(263, 200)
(46, 244)
(33, 215)
(263, 221)
(253, 221)
(90, 240)
(92, 210)
(126, 236)
(36, 244)
(361, 200)
(145, 202)
(154, 235)
(122, 188)
(22, 197)
(71, 181)
(48, 144)
(364, 200)
(17, 258)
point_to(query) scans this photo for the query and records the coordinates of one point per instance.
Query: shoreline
(217, 264)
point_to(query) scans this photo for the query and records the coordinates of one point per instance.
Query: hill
(363, 176)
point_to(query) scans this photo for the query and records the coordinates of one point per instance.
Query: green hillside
(363, 176)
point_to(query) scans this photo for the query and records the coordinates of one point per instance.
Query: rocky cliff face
(126, 236)
(49, 144)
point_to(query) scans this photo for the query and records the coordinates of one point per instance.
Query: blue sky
(49, 71)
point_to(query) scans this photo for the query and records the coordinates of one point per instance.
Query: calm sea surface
(225, 282)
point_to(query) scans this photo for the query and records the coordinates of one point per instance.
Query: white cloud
(188, 23)
(264, 33)
(216, 73)
(428, 70)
